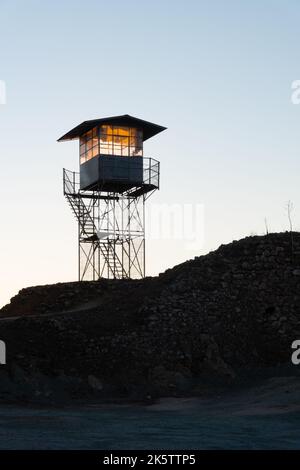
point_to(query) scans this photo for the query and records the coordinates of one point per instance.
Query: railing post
(158, 174)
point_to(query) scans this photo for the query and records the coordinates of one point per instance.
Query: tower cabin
(111, 155)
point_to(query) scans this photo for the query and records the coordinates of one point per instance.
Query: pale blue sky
(217, 73)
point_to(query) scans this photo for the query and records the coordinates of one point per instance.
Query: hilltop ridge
(212, 319)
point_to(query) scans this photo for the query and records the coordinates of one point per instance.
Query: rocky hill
(210, 321)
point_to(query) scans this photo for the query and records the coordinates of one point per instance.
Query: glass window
(111, 140)
(89, 134)
(106, 129)
(121, 131)
(82, 158)
(89, 144)
(121, 141)
(89, 154)
(95, 142)
(117, 149)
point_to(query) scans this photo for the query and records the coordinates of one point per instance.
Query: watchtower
(108, 195)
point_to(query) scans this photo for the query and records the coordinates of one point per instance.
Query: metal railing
(71, 181)
(151, 173)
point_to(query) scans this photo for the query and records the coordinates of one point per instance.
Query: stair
(89, 230)
(82, 214)
(112, 260)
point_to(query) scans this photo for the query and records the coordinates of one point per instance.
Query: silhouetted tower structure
(108, 195)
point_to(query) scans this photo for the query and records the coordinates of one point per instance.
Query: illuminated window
(121, 141)
(89, 145)
(111, 140)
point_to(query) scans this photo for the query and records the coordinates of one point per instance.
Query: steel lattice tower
(108, 195)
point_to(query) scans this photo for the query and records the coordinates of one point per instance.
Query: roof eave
(77, 131)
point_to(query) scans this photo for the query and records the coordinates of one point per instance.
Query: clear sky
(217, 73)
